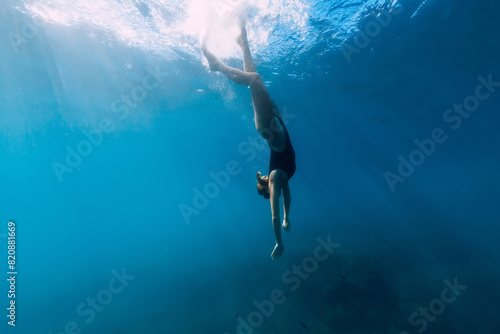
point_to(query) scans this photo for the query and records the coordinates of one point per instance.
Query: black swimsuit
(284, 160)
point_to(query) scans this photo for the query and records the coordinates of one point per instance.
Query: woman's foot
(213, 62)
(277, 252)
(242, 39)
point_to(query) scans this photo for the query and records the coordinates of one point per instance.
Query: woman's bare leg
(264, 107)
(237, 76)
(248, 62)
(261, 99)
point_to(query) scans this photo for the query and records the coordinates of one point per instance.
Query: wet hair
(262, 187)
(262, 190)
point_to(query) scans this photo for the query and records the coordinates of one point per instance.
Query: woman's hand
(286, 224)
(277, 252)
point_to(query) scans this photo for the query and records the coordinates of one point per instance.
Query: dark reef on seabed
(353, 292)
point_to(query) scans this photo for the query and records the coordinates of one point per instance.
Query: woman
(269, 124)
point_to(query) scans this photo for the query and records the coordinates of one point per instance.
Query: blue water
(111, 124)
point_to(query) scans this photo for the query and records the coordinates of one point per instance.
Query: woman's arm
(286, 201)
(277, 179)
(274, 192)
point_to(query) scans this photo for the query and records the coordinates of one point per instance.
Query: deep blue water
(392, 107)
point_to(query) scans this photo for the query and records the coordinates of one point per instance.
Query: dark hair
(262, 190)
(263, 186)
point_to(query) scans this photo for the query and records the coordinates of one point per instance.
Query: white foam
(162, 24)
